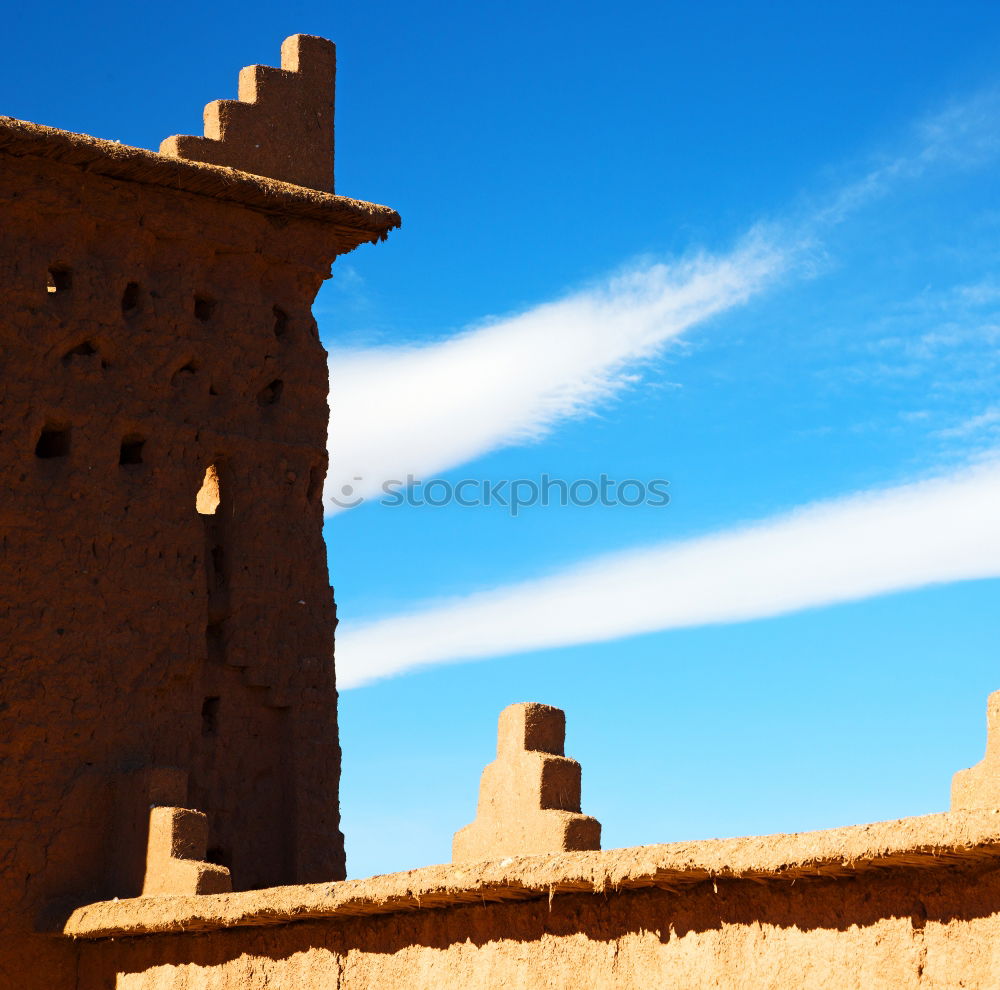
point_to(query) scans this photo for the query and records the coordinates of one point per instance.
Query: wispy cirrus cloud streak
(876, 542)
(962, 135)
(421, 410)
(424, 409)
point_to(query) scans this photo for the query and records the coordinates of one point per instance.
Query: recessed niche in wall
(60, 280)
(53, 441)
(210, 716)
(218, 573)
(203, 308)
(270, 394)
(208, 497)
(130, 298)
(183, 373)
(131, 449)
(85, 349)
(280, 322)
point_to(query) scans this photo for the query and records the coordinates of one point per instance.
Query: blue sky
(752, 250)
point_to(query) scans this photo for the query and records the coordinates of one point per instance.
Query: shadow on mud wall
(939, 894)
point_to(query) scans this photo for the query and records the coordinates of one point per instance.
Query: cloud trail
(422, 410)
(873, 543)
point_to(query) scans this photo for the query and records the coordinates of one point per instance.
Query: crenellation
(979, 786)
(529, 797)
(281, 124)
(175, 857)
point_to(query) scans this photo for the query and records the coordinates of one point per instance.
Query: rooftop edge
(358, 222)
(947, 840)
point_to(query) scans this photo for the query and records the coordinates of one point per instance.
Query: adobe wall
(898, 927)
(148, 334)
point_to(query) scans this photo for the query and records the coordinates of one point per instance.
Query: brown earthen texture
(529, 796)
(907, 904)
(347, 222)
(955, 841)
(155, 653)
(979, 786)
(282, 124)
(898, 932)
(175, 855)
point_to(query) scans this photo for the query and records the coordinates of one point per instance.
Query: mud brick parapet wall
(169, 756)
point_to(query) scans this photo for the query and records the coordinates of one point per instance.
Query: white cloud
(983, 293)
(894, 539)
(422, 410)
(986, 421)
(962, 135)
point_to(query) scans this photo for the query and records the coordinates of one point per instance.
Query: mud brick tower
(167, 622)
